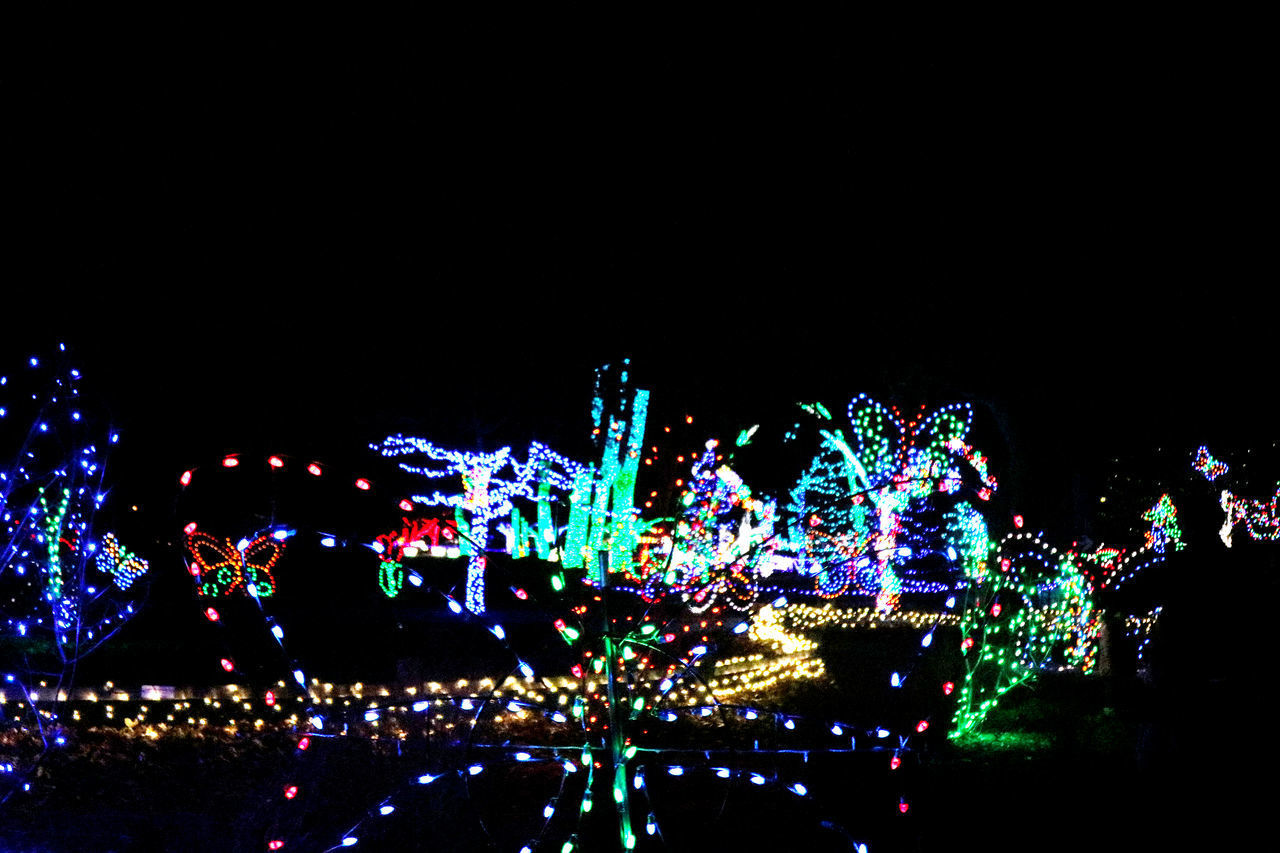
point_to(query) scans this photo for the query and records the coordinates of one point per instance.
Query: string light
(1261, 518)
(874, 534)
(62, 585)
(484, 498)
(1034, 613)
(1211, 468)
(855, 499)
(225, 568)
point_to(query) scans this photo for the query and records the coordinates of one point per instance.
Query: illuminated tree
(603, 516)
(713, 552)
(858, 512)
(485, 497)
(69, 585)
(1028, 608)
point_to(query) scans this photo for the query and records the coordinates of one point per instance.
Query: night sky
(261, 238)
(265, 239)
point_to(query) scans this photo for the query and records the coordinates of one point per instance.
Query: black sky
(260, 237)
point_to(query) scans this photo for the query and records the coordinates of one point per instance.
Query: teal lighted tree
(852, 509)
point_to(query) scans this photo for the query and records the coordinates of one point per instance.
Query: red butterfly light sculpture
(223, 567)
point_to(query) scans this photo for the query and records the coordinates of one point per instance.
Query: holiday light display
(1261, 518)
(415, 536)
(227, 568)
(1029, 609)
(250, 566)
(706, 562)
(63, 584)
(718, 546)
(663, 617)
(119, 562)
(643, 625)
(603, 498)
(1111, 567)
(853, 507)
(666, 634)
(1164, 525)
(1141, 628)
(629, 681)
(485, 497)
(1211, 468)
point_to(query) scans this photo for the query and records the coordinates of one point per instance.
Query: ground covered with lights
(1067, 763)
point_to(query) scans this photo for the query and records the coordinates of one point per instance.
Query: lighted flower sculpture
(853, 509)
